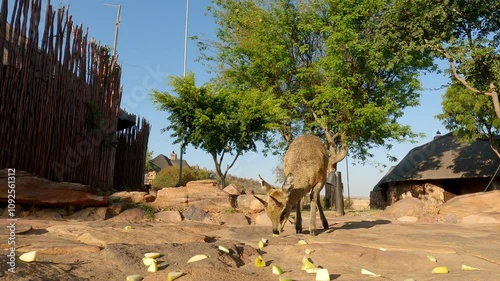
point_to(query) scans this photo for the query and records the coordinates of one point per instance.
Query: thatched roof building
(441, 169)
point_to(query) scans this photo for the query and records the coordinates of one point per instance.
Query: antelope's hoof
(298, 230)
(325, 225)
(312, 232)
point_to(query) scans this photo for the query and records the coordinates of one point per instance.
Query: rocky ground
(394, 243)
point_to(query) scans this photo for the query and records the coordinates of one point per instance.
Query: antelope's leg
(322, 214)
(314, 199)
(298, 219)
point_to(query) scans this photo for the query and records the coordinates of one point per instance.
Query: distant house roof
(445, 157)
(161, 161)
(177, 162)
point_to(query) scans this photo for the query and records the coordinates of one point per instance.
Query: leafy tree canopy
(327, 65)
(220, 120)
(466, 34)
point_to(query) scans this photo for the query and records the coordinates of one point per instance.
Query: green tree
(169, 177)
(222, 121)
(148, 166)
(327, 66)
(466, 35)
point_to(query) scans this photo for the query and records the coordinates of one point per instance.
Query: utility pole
(117, 25)
(184, 75)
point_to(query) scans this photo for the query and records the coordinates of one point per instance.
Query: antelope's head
(276, 203)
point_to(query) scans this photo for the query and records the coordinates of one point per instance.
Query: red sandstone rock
(32, 190)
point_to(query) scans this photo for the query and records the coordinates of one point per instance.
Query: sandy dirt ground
(104, 250)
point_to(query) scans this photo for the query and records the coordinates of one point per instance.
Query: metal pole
(117, 25)
(184, 75)
(118, 19)
(186, 37)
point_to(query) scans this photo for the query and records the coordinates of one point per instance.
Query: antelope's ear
(288, 184)
(265, 186)
(261, 201)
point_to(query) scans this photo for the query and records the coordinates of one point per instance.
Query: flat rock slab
(104, 250)
(32, 190)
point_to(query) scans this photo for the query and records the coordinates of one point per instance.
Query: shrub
(169, 177)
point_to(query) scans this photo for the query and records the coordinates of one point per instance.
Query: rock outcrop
(32, 190)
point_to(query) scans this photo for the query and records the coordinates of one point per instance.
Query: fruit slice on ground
(307, 263)
(174, 275)
(259, 262)
(135, 277)
(322, 275)
(466, 267)
(148, 261)
(302, 242)
(152, 255)
(277, 270)
(283, 278)
(264, 240)
(383, 249)
(261, 244)
(431, 258)
(153, 267)
(128, 227)
(309, 251)
(223, 249)
(28, 256)
(197, 258)
(276, 235)
(440, 270)
(369, 273)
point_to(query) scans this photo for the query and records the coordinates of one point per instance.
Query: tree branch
(455, 72)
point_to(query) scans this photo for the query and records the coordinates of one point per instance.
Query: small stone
(168, 216)
(234, 219)
(195, 213)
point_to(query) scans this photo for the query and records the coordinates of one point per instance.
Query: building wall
(433, 192)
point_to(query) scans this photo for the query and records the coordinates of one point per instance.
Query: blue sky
(151, 46)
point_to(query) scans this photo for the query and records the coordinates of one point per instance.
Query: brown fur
(305, 167)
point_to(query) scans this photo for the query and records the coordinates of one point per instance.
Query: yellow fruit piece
(264, 240)
(259, 262)
(302, 242)
(307, 263)
(148, 261)
(128, 227)
(309, 251)
(135, 277)
(276, 235)
(153, 267)
(383, 249)
(28, 256)
(431, 258)
(197, 258)
(322, 274)
(277, 270)
(152, 255)
(224, 249)
(261, 245)
(440, 270)
(369, 273)
(174, 275)
(282, 278)
(466, 267)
